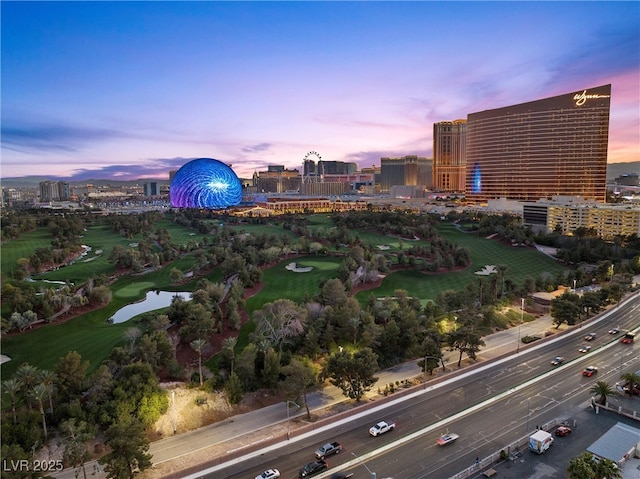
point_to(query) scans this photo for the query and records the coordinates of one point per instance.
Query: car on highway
(590, 337)
(341, 475)
(313, 468)
(381, 428)
(269, 474)
(447, 438)
(557, 361)
(589, 371)
(614, 331)
(563, 431)
(584, 349)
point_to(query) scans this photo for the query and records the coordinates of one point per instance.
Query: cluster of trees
(572, 308)
(121, 398)
(291, 346)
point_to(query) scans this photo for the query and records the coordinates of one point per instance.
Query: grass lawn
(23, 247)
(93, 338)
(281, 283)
(520, 262)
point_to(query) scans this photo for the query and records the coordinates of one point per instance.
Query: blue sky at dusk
(129, 90)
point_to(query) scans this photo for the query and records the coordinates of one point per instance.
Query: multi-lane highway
(488, 407)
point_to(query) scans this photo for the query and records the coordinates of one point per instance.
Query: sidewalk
(173, 455)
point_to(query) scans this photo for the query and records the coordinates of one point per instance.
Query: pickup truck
(328, 450)
(381, 428)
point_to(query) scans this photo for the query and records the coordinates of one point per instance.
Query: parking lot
(553, 463)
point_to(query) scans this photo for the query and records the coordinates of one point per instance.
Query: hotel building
(551, 147)
(449, 155)
(410, 170)
(566, 215)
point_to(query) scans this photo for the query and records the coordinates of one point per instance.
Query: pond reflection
(154, 300)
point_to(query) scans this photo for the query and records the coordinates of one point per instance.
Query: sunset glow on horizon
(132, 90)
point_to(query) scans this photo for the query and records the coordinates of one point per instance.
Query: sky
(132, 90)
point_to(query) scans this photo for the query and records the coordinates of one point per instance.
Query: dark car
(341, 475)
(557, 360)
(590, 337)
(313, 468)
(563, 431)
(589, 371)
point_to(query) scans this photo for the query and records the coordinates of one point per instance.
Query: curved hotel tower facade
(551, 147)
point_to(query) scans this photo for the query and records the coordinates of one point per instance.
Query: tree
(75, 449)
(631, 380)
(11, 387)
(48, 378)
(353, 373)
(607, 469)
(582, 467)
(299, 377)
(129, 445)
(198, 345)
(564, 310)
(465, 340)
(279, 322)
(228, 345)
(234, 390)
(39, 393)
(70, 371)
(603, 390)
(27, 375)
(585, 466)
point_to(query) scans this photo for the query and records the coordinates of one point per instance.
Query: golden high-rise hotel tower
(449, 155)
(544, 148)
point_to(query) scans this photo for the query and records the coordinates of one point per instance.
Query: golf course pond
(154, 300)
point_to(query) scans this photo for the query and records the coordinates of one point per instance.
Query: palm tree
(630, 379)
(48, 378)
(27, 374)
(603, 390)
(12, 388)
(198, 345)
(39, 393)
(229, 345)
(582, 467)
(607, 469)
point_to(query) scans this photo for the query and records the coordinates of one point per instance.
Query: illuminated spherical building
(205, 183)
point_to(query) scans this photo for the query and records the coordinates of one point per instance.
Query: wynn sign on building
(540, 149)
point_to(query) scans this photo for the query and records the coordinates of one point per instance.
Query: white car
(381, 428)
(269, 474)
(447, 438)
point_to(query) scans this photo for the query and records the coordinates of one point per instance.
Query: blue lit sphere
(205, 183)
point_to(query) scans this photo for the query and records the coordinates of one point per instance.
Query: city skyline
(127, 90)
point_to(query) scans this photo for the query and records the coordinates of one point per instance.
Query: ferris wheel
(308, 175)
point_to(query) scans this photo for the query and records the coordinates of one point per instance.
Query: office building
(551, 147)
(449, 155)
(151, 188)
(410, 170)
(54, 190)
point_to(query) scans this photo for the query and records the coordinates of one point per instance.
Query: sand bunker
(487, 270)
(295, 269)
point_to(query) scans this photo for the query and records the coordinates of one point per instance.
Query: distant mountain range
(614, 170)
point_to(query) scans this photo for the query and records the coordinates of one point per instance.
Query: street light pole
(173, 400)
(528, 410)
(288, 417)
(521, 321)
(373, 474)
